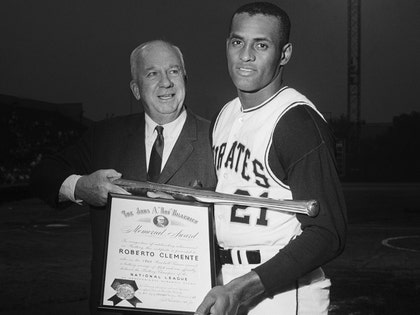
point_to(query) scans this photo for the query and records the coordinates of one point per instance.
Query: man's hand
(225, 300)
(94, 188)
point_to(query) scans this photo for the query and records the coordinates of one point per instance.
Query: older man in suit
(130, 146)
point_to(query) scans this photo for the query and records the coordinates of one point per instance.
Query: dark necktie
(155, 162)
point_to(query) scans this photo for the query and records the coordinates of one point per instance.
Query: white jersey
(241, 142)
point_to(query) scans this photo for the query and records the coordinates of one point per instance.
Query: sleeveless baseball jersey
(241, 142)
(241, 146)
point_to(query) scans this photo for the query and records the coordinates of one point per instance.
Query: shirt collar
(169, 128)
(264, 102)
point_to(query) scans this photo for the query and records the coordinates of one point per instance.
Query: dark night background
(78, 51)
(65, 63)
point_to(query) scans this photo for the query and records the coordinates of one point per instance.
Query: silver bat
(308, 207)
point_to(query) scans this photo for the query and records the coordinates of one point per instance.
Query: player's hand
(225, 300)
(219, 301)
(94, 188)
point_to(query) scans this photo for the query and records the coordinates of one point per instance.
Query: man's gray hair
(135, 54)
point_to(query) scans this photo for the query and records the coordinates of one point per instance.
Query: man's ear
(286, 54)
(135, 89)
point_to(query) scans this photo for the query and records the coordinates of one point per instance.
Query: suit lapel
(182, 149)
(135, 154)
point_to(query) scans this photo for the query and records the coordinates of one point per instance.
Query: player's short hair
(270, 9)
(135, 54)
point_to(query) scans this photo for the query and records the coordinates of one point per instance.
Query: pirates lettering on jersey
(238, 159)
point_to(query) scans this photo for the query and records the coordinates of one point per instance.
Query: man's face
(161, 82)
(253, 51)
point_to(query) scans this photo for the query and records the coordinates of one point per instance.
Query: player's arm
(303, 157)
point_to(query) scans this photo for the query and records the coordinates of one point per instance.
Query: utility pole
(353, 86)
(353, 59)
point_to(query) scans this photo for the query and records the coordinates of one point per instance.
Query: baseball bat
(308, 207)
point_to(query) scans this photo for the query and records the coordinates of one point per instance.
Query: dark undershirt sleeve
(302, 156)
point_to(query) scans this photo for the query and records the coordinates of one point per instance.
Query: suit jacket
(118, 143)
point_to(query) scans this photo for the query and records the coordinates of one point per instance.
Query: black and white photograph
(295, 125)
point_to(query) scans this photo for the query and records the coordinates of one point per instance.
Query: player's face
(254, 54)
(161, 82)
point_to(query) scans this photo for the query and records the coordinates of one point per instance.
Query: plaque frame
(129, 268)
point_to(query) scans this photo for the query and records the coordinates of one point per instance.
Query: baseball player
(271, 141)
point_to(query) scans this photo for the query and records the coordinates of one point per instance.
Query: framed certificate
(159, 255)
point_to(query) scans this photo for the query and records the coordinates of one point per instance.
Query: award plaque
(159, 255)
